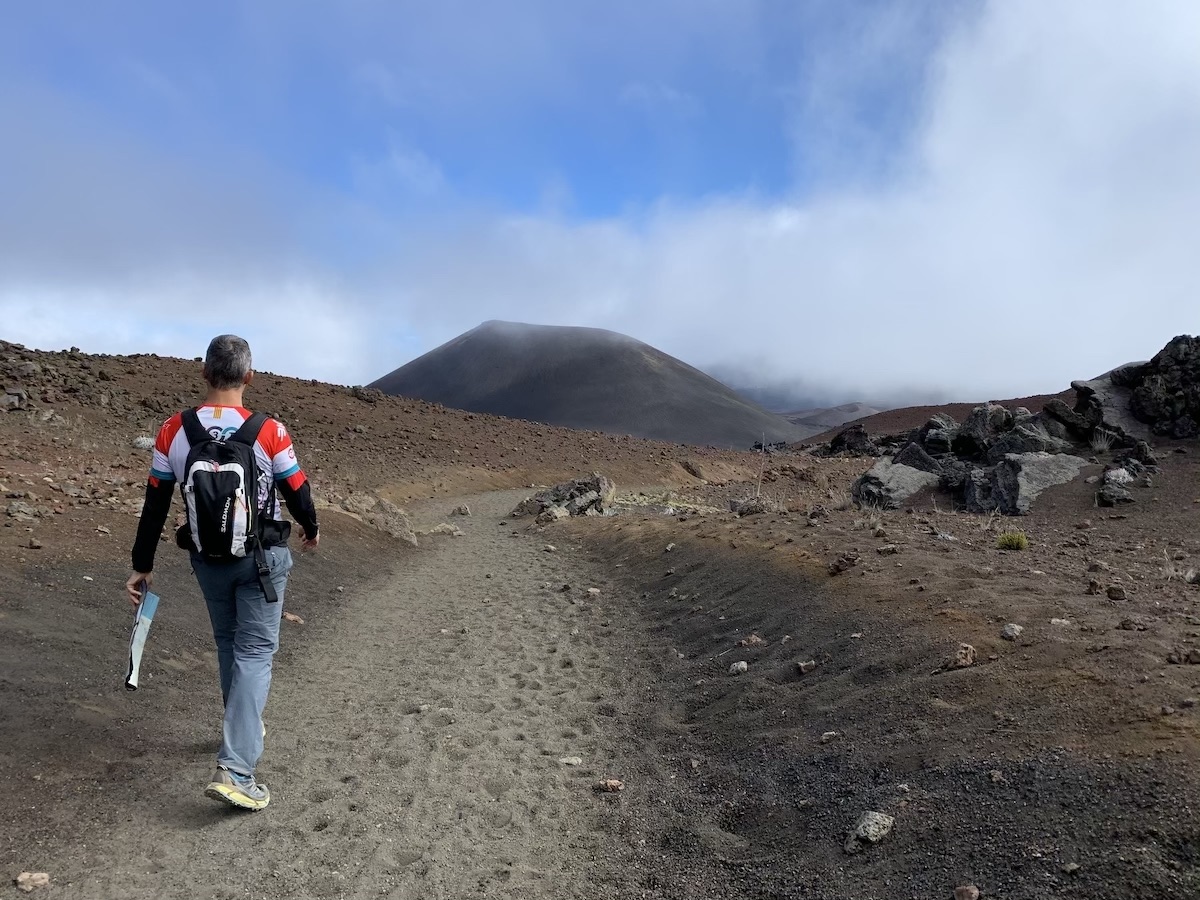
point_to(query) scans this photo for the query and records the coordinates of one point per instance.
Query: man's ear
(249, 377)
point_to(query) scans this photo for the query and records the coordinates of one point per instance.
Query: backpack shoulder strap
(248, 433)
(192, 429)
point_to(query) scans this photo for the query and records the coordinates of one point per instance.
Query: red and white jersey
(273, 450)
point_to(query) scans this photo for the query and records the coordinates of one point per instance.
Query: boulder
(937, 435)
(915, 456)
(938, 441)
(382, 514)
(888, 484)
(1079, 425)
(1165, 392)
(1113, 494)
(853, 441)
(1025, 439)
(590, 496)
(527, 507)
(954, 475)
(1020, 477)
(981, 429)
(977, 491)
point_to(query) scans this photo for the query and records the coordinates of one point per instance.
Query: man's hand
(310, 543)
(136, 582)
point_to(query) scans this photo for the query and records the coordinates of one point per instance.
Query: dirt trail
(415, 732)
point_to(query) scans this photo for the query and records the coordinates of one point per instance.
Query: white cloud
(1038, 224)
(296, 329)
(1040, 230)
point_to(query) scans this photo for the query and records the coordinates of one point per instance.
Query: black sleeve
(154, 515)
(300, 504)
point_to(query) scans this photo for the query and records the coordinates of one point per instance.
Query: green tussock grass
(1012, 540)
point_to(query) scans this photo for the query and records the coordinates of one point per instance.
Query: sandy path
(414, 746)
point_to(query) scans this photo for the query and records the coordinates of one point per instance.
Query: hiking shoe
(237, 790)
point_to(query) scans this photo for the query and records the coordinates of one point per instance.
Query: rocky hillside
(586, 378)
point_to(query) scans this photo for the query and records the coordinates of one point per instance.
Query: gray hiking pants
(246, 630)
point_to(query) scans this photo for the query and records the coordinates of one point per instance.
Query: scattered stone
(143, 442)
(103, 529)
(871, 828)
(445, 528)
(1188, 702)
(806, 666)
(571, 760)
(463, 510)
(293, 618)
(1115, 592)
(739, 668)
(593, 591)
(1094, 587)
(753, 506)
(1011, 631)
(842, 563)
(35, 544)
(829, 736)
(549, 548)
(1071, 868)
(754, 640)
(966, 892)
(1062, 623)
(888, 550)
(997, 777)
(1167, 710)
(669, 548)
(21, 511)
(610, 786)
(1133, 623)
(964, 657)
(29, 881)
(1097, 566)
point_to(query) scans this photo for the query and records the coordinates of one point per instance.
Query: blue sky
(754, 186)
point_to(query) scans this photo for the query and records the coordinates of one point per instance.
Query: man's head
(227, 363)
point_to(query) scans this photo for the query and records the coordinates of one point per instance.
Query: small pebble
(739, 668)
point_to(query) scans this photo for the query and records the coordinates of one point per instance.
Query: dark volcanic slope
(585, 378)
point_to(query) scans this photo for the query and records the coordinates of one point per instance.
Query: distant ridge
(586, 378)
(831, 417)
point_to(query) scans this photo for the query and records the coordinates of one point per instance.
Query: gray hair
(227, 363)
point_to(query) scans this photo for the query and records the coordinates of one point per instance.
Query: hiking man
(228, 463)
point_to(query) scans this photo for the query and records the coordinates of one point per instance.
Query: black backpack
(220, 489)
